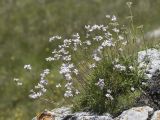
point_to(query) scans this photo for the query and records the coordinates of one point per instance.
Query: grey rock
(136, 113)
(156, 115)
(64, 113)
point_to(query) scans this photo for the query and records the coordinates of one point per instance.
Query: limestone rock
(64, 113)
(89, 116)
(136, 113)
(149, 60)
(156, 115)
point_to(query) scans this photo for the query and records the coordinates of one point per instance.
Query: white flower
(104, 28)
(108, 34)
(115, 30)
(68, 85)
(131, 68)
(113, 18)
(96, 58)
(68, 76)
(132, 89)
(19, 83)
(59, 85)
(87, 42)
(116, 60)
(108, 43)
(27, 67)
(94, 27)
(39, 86)
(46, 71)
(143, 83)
(68, 93)
(100, 83)
(108, 16)
(44, 82)
(43, 90)
(64, 69)
(98, 38)
(77, 92)
(87, 27)
(120, 37)
(67, 58)
(55, 51)
(75, 71)
(109, 96)
(16, 79)
(50, 59)
(109, 91)
(54, 37)
(99, 49)
(124, 43)
(120, 67)
(120, 49)
(92, 65)
(35, 95)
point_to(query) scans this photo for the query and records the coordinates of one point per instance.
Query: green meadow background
(25, 27)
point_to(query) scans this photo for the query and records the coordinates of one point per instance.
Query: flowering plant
(98, 67)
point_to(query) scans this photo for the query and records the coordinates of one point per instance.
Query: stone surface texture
(135, 113)
(156, 115)
(149, 60)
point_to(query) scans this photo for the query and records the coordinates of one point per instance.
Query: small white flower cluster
(67, 68)
(68, 92)
(54, 38)
(108, 95)
(92, 65)
(58, 85)
(120, 67)
(76, 41)
(132, 89)
(87, 42)
(111, 36)
(40, 87)
(107, 38)
(100, 83)
(18, 82)
(96, 57)
(131, 68)
(99, 39)
(96, 27)
(28, 67)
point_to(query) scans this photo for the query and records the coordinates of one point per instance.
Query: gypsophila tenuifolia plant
(99, 68)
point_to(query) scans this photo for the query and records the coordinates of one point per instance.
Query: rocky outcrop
(149, 62)
(137, 113)
(64, 113)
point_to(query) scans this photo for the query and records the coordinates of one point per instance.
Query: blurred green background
(26, 25)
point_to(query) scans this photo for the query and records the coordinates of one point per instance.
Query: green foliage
(119, 82)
